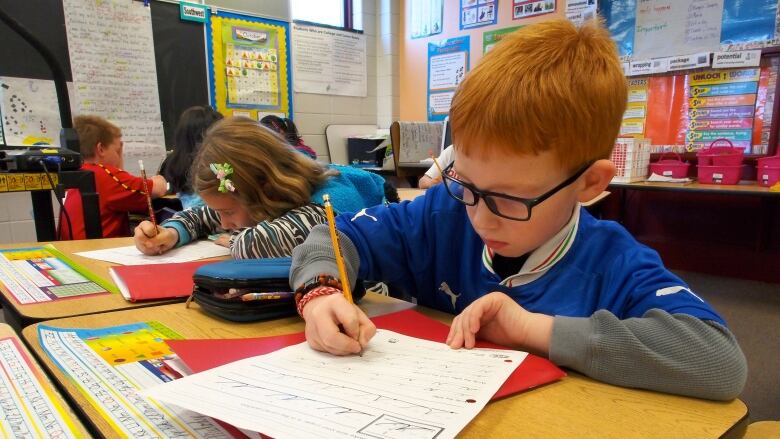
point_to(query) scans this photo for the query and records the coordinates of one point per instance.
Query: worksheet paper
(132, 256)
(401, 387)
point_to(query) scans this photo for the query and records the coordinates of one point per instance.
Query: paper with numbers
(401, 387)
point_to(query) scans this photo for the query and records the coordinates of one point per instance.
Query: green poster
(490, 38)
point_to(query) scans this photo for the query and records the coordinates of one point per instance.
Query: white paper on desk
(662, 178)
(402, 387)
(132, 256)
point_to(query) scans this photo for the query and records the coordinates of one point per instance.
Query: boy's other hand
(159, 186)
(497, 318)
(149, 244)
(323, 316)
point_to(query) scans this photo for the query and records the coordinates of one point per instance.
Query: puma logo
(674, 290)
(363, 213)
(444, 288)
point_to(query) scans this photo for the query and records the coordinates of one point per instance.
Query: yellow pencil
(337, 249)
(436, 162)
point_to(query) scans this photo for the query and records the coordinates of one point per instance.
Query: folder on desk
(198, 355)
(155, 281)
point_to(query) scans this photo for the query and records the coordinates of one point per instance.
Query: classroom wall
(312, 112)
(413, 53)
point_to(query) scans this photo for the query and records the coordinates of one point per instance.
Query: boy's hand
(499, 319)
(159, 186)
(323, 316)
(149, 244)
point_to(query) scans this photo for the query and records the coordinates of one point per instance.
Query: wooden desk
(744, 188)
(5, 332)
(19, 316)
(575, 406)
(409, 194)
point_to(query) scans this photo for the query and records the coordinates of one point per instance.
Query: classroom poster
(109, 366)
(530, 8)
(111, 50)
(329, 61)
(248, 65)
(29, 111)
(426, 18)
(633, 124)
(448, 62)
(722, 105)
(43, 274)
(478, 13)
(676, 27)
(580, 11)
(491, 38)
(689, 111)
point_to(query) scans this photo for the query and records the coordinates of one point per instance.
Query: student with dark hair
(190, 130)
(289, 131)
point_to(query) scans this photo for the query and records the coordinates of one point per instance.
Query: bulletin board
(249, 65)
(687, 111)
(654, 28)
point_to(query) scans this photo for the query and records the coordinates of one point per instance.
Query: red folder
(155, 281)
(200, 355)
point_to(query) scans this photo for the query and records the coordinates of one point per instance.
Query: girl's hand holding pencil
(151, 239)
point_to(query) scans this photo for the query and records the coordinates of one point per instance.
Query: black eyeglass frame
(485, 195)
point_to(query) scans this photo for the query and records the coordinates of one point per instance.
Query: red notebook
(199, 355)
(155, 281)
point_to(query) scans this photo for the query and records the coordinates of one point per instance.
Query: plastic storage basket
(669, 167)
(768, 171)
(720, 164)
(631, 157)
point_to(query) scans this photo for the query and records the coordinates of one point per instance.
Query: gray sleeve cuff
(678, 354)
(316, 256)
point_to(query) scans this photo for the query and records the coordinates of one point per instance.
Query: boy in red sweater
(119, 191)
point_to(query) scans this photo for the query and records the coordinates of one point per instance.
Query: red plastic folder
(155, 281)
(199, 355)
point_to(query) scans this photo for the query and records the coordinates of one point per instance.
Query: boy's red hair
(547, 87)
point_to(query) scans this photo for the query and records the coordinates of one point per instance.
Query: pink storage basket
(768, 171)
(670, 168)
(719, 174)
(720, 155)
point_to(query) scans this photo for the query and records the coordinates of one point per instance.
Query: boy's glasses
(503, 205)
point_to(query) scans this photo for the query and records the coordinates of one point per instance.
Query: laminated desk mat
(198, 354)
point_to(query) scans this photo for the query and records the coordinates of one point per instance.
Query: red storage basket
(720, 155)
(670, 168)
(768, 171)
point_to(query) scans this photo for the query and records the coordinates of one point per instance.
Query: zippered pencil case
(245, 290)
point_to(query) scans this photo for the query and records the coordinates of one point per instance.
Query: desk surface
(743, 188)
(575, 406)
(405, 193)
(5, 332)
(83, 305)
